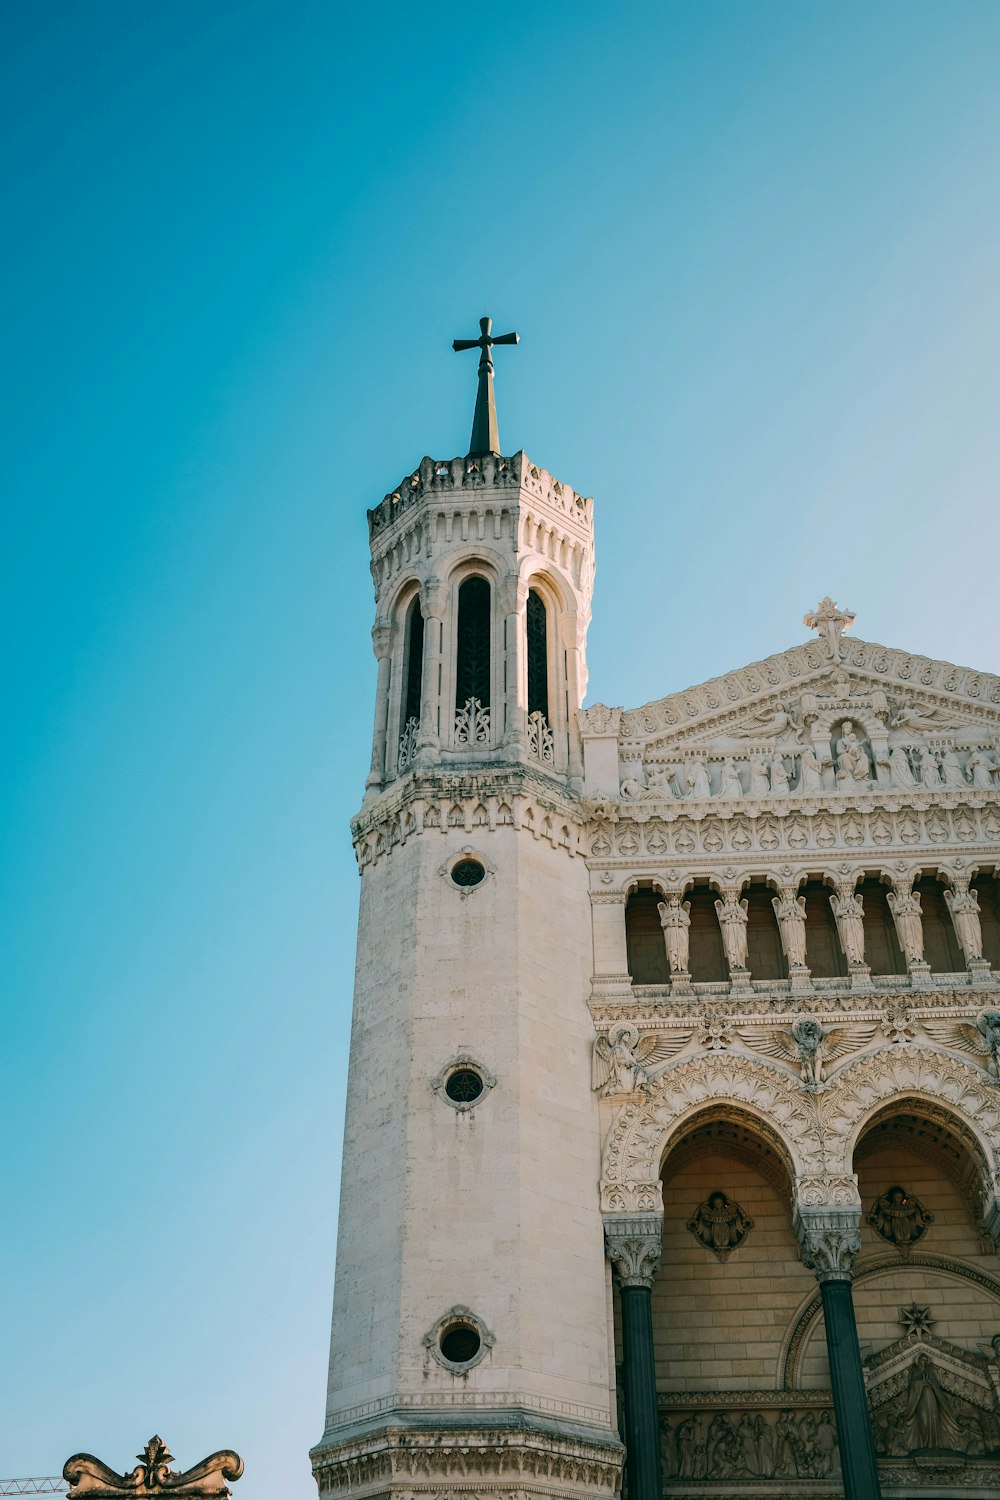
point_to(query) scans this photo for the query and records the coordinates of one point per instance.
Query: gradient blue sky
(752, 251)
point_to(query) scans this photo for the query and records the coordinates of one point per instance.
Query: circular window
(460, 1343)
(464, 1086)
(468, 872)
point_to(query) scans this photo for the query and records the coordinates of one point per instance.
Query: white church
(673, 1122)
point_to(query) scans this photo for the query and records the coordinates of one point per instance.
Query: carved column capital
(381, 637)
(433, 599)
(633, 1244)
(830, 1240)
(512, 593)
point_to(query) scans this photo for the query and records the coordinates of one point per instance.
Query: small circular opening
(464, 1086)
(460, 1343)
(468, 872)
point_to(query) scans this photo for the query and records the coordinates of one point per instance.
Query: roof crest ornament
(485, 432)
(153, 1476)
(830, 621)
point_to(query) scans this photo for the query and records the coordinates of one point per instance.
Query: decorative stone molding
(829, 1239)
(454, 1065)
(87, 1475)
(457, 1317)
(643, 1128)
(633, 1244)
(828, 1192)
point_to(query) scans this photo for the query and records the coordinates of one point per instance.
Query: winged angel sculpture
(810, 1046)
(624, 1063)
(980, 1040)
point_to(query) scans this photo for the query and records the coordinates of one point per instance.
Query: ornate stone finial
(87, 1475)
(485, 433)
(828, 620)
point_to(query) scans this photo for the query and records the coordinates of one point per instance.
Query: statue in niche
(719, 1224)
(900, 768)
(730, 784)
(760, 777)
(811, 773)
(779, 778)
(854, 771)
(951, 771)
(733, 919)
(927, 1418)
(790, 911)
(624, 1063)
(849, 913)
(696, 778)
(964, 907)
(979, 770)
(899, 1218)
(930, 770)
(675, 919)
(905, 908)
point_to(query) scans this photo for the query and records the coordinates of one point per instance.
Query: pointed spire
(485, 432)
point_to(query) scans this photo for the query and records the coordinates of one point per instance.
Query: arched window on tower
(413, 676)
(472, 663)
(540, 743)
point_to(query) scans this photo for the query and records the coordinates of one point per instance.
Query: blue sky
(751, 250)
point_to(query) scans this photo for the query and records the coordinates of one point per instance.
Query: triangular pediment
(920, 722)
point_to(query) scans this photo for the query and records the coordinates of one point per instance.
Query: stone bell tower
(470, 1345)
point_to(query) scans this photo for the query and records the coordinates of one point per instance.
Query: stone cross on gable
(485, 433)
(828, 620)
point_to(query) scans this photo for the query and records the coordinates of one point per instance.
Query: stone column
(633, 1243)
(433, 602)
(611, 975)
(830, 1241)
(381, 642)
(513, 599)
(570, 645)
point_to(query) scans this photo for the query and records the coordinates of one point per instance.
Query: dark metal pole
(642, 1428)
(850, 1400)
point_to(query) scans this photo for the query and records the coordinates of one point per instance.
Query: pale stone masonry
(673, 1113)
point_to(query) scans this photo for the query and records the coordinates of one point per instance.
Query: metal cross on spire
(485, 434)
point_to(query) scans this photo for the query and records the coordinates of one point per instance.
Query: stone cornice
(470, 801)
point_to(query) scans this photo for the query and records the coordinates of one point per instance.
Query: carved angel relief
(810, 1046)
(899, 1217)
(624, 1063)
(981, 1040)
(719, 1224)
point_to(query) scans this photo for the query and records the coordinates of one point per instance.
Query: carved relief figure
(981, 1040)
(980, 770)
(719, 1224)
(905, 908)
(730, 784)
(623, 1063)
(899, 765)
(696, 779)
(780, 723)
(811, 1046)
(854, 769)
(848, 911)
(790, 911)
(760, 778)
(951, 771)
(964, 907)
(927, 1417)
(811, 773)
(932, 720)
(899, 1218)
(779, 778)
(675, 919)
(930, 774)
(733, 921)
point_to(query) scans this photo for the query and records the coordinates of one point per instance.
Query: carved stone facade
(741, 946)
